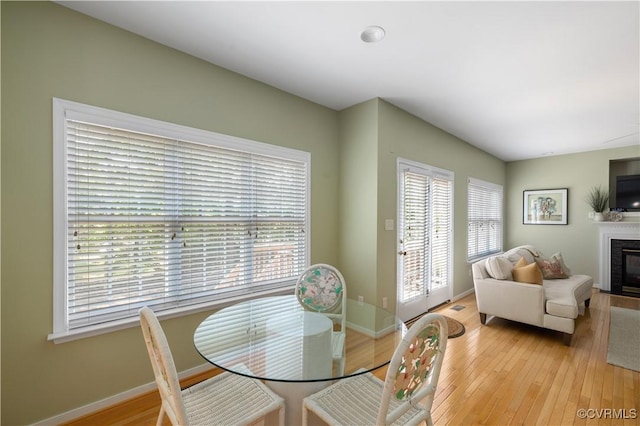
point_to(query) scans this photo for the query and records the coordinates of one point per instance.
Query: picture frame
(545, 206)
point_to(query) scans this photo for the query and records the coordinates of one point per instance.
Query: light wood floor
(502, 373)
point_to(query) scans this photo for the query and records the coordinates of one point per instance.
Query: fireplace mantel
(613, 231)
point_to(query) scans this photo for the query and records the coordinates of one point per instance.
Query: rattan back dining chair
(406, 395)
(322, 288)
(225, 399)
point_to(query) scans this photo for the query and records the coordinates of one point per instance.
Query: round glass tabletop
(276, 339)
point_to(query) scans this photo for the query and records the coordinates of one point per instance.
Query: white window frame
(492, 219)
(62, 109)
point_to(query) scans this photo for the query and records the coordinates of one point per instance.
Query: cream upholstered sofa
(554, 302)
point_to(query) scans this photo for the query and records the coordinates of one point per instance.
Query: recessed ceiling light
(372, 34)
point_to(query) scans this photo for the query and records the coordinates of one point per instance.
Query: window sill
(98, 329)
(479, 258)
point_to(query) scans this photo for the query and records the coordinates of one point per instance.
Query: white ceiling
(516, 79)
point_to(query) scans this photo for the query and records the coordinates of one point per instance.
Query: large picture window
(484, 219)
(151, 213)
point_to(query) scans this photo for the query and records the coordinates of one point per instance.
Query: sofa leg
(586, 302)
(483, 318)
(567, 339)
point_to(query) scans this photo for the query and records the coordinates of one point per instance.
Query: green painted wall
(578, 241)
(404, 135)
(359, 199)
(50, 51)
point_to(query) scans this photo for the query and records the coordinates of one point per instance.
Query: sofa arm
(479, 270)
(511, 300)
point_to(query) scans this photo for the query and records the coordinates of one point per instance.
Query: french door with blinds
(425, 237)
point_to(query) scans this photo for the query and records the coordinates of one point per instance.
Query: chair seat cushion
(238, 400)
(355, 401)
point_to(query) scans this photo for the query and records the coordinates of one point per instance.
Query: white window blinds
(441, 230)
(484, 219)
(171, 217)
(415, 239)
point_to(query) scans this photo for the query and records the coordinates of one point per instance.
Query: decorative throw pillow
(552, 268)
(525, 272)
(499, 267)
(560, 260)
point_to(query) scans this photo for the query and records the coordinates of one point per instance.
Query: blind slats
(415, 243)
(484, 234)
(168, 223)
(441, 243)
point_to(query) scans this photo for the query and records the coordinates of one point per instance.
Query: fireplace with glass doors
(625, 267)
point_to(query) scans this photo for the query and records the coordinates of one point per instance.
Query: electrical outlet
(385, 302)
(360, 300)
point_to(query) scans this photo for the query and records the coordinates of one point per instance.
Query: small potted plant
(598, 200)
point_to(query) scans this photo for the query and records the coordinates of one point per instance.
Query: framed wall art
(545, 207)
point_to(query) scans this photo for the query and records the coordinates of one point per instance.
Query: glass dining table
(276, 340)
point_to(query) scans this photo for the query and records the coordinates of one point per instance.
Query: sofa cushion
(565, 307)
(577, 286)
(499, 267)
(525, 272)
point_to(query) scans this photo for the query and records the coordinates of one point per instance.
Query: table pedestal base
(293, 394)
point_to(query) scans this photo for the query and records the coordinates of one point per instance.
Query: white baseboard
(463, 294)
(376, 334)
(116, 399)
